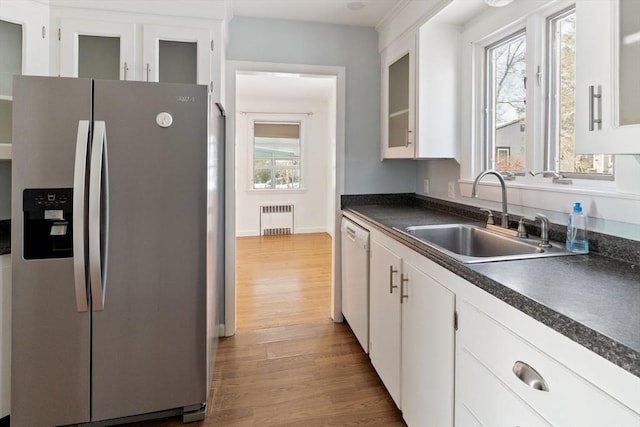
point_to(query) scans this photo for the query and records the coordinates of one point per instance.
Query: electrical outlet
(426, 186)
(452, 189)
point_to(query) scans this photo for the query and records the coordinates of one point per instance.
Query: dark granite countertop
(591, 299)
(5, 237)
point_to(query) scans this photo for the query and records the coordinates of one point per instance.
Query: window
(512, 60)
(276, 155)
(560, 121)
(506, 103)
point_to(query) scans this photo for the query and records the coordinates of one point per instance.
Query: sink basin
(472, 244)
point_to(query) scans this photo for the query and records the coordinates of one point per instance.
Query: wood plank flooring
(289, 364)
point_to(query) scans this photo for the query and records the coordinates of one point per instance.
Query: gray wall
(356, 49)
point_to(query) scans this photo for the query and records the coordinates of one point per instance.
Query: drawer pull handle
(530, 376)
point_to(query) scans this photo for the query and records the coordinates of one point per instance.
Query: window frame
(537, 155)
(289, 118)
(552, 105)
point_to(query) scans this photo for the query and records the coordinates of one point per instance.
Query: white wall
(310, 211)
(355, 48)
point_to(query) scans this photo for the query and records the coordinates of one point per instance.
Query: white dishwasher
(355, 280)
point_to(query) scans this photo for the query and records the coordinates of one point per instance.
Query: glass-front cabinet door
(176, 54)
(10, 65)
(398, 104)
(607, 76)
(97, 49)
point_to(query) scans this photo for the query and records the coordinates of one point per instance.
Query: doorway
(300, 171)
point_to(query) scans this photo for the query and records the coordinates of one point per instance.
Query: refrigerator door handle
(98, 215)
(79, 201)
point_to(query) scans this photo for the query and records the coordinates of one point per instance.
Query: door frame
(232, 67)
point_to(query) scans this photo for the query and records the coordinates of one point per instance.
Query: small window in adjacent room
(506, 103)
(561, 81)
(276, 155)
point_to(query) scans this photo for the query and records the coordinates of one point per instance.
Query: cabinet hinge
(59, 34)
(211, 45)
(455, 320)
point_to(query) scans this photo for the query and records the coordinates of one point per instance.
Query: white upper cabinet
(24, 38)
(97, 49)
(607, 85)
(438, 90)
(176, 54)
(33, 18)
(398, 99)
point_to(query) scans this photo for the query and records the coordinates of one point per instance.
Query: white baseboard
(298, 230)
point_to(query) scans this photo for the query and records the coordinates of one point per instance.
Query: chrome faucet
(544, 230)
(505, 215)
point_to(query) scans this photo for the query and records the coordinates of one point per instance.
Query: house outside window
(276, 155)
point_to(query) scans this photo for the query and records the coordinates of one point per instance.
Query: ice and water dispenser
(48, 219)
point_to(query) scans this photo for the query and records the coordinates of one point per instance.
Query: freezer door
(50, 324)
(149, 339)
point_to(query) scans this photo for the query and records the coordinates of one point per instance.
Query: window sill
(265, 191)
(601, 201)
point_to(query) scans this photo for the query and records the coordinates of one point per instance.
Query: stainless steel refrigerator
(117, 249)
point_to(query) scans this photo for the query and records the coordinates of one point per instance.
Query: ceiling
(344, 12)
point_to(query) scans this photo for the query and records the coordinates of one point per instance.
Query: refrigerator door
(50, 327)
(149, 339)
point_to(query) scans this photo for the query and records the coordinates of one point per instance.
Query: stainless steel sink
(472, 244)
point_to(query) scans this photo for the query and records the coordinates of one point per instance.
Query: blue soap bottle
(577, 231)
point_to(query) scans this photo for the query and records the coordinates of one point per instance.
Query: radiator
(276, 219)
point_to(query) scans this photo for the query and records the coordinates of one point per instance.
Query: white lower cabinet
(412, 334)
(427, 350)
(499, 368)
(384, 317)
(504, 379)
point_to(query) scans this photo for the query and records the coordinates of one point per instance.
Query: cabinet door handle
(126, 68)
(408, 140)
(403, 279)
(391, 285)
(148, 70)
(529, 376)
(592, 101)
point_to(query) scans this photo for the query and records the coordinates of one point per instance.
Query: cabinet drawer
(486, 401)
(570, 399)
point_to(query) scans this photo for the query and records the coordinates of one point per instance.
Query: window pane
(562, 78)
(276, 154)
(506, 103)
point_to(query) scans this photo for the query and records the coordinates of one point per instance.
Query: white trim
(232, 67)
